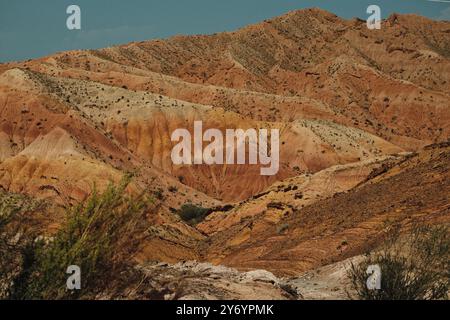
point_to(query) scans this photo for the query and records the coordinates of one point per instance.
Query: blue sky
(33, 28)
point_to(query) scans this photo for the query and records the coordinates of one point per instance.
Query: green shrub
(14, 208)
(98, 236)
(415, 267)
(282, 228)
(193, 214)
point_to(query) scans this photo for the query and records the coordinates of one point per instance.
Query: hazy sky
(33, 28)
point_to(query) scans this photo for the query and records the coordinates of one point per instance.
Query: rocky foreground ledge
(192, 280)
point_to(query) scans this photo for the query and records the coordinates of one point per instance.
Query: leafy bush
(14, 208)
(98, 236)
(193, 214)
(415, 267)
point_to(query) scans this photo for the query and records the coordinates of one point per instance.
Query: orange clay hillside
(363, 115)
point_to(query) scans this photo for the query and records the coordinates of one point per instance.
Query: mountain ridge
(364, 116)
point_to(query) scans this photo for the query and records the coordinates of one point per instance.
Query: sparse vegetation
(282, 228)
(98, 236)
(193, 214)
(159, 194)
(413, 267)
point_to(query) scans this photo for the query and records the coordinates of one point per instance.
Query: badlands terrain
(364, 120)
